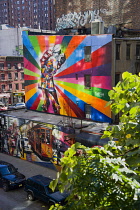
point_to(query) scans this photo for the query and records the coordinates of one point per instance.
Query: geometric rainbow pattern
(68, 82)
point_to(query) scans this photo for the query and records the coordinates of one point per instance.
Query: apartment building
(12, 79)
(29, 13)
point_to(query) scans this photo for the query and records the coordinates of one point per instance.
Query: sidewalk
(29, 168)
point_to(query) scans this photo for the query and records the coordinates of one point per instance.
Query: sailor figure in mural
(51, 61)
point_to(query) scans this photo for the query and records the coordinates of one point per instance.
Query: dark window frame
(118, 49)
(9, 75)
(88, 111)
(87, 81)
(87, 53)
(17, 86)
(128, 51)
(76, 76)
(2, 76)
(9, 65)
(117, 78)
(137, 51)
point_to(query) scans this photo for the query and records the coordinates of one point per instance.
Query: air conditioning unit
(138, 57)
(97, 27)
(88, 116)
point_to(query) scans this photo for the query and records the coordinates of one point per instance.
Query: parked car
(17, 106)
(3, 107)
(10, 177)
(37, 187)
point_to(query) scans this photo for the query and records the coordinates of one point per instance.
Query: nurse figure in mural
(51, 61)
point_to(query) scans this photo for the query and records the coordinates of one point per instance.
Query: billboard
(68, 75)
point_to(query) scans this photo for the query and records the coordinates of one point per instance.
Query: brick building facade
(80, 13)
(34, 14)
(12, 80)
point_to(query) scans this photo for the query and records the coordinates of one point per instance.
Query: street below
(16, 199)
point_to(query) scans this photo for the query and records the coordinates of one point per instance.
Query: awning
(6, 95)
(18, 94)
(90, 140)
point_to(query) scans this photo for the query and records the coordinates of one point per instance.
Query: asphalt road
(16, 199)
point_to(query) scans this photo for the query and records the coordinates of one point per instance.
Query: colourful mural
(35, 141)
(68, 75)
(41, 143)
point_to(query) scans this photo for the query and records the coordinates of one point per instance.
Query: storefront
(18, 97)
(5, 98)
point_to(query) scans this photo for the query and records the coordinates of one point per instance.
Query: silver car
(17, 106)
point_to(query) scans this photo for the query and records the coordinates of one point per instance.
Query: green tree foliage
(100, 178)
(96, 180)
(125, 99)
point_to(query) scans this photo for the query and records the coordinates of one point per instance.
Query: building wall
(4, 12)
(127, 59)
(12, 79)
(68, 75)
(34, 14)
(11, 42)
(80, 13)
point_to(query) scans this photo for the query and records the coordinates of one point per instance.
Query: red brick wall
(112, 12)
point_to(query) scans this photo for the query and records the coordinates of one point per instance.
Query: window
(2, 76)
(76, 76)
(16, 76)
(22, 86)
(117, 78)
(128, 52)
(22, 75)
(88, 110)
(87, 53)
(1, 65)
(117, 51)
(10, 86)
(138, 52)
(9, 65)
(16, 86)
(87, 80)
(3, 87)
(9, 76)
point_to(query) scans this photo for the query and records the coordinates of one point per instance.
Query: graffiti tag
(78, 19)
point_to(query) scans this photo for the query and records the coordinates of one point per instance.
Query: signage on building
(2, 58)
(18, 94)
